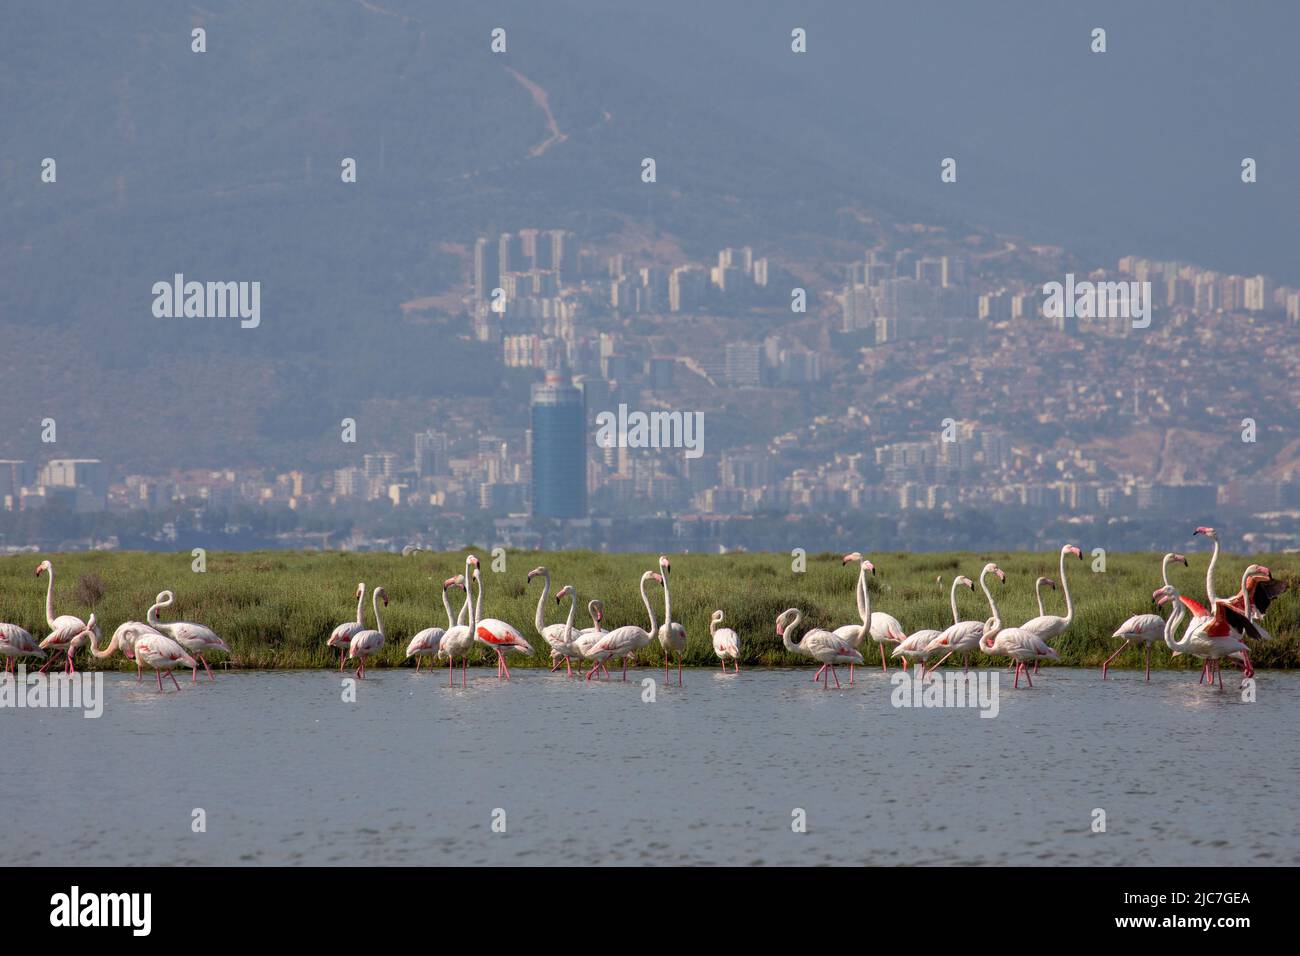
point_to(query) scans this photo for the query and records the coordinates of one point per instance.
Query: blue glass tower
(559, 418)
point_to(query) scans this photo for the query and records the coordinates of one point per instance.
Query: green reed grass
(275, 609)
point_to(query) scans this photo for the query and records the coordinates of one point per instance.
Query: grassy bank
(276, 609)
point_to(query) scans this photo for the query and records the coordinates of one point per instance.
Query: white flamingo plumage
(498, 635)
(881, 627)
(588, 636)
(1197, 639)
(425, 643)
(566, 644)
(818, 644)
(459, 640)
(369, 642)
(726, 643)
(341, 637)
(195, 638)
(65, 628)
(163, 654)
(1146, 629)
(557, 636)
(15, 643)
(1020, 645)
(672, 636)
(1048, 626)
(628, 639)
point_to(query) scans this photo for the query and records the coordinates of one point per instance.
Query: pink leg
(1035, 668)
(568, 668)
(594, 668)
(464, 670)
(818, 675)
(1017, 683)
(1106, 663)
(941, 660)
(172, 675)
(836, 676)
(343, 659)
(850, 673)
(157, 673)
(679, 670)
(883, 665)
(1027, 677)
(624, 668)
(1148, 660)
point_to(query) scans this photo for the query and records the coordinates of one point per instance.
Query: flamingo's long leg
(1106, 663)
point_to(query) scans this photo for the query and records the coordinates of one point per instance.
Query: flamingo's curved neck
(468, 608)
(952, 597)
(645, 599)
(1171, 625)
(1245, 594)
(993, 608)
(668, 605)
(863, 597)
(478, 602)
(1209, 576)
(374, 600)
(107, 651)
(446, 603)
(573, 609)
(1065, 587)
(361, 604)
(789, 629)
(1164, 568)
(1038, 593)
(713, 627)
(591, 609)
(49, 596)
(541, 601)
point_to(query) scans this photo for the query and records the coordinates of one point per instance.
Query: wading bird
(672, 636)
(64, 628)
(195, 638)
(1020, 645)
(628, 639)
(555, 635)
(162, 654)
(459, 640)
(498, 635)
(425, 643)
(726, 644)
(15, 643)
(883, 628)
(367, 643)
(1146, 629)
(1197, 639)
(1038, 593)
(818, 644)
(964, 636)
(343, 634)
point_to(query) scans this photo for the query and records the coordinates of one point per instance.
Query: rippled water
(588, 773)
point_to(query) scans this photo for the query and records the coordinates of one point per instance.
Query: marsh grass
(275, 609)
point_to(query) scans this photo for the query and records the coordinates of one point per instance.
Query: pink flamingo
(65, 628)
(343, 634)
(162, 654)
(366, 643)
(499, 636)
(627, 639)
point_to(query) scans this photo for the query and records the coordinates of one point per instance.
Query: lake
(413, 772)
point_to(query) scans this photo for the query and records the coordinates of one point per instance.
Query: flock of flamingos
(1211, 634)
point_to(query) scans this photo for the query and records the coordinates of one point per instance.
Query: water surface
(588, 773)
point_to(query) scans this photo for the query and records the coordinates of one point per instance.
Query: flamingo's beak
(1002, 575)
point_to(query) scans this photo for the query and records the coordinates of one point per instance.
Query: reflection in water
(411, 773)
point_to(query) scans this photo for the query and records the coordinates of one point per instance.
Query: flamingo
(566, 644)
(672, 636)
(1197, 639)
(1038, 592)
(1228, 622)
(497, 634)
(459, 639)
(1262, 591)
(366, 643)
(725, 642)
(627, 639)
(1020, 645)
(1147, 629)
(163, 654)
(425, 643)
(854, 633)
(817, 643)
(1048, 626)
(883, 628)
(915, 646)
(343, 634)
(964, 636)
(556, 635)
(64, 628)
(15, 642)
(195, 638)
(588, 636)
(124, 639)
